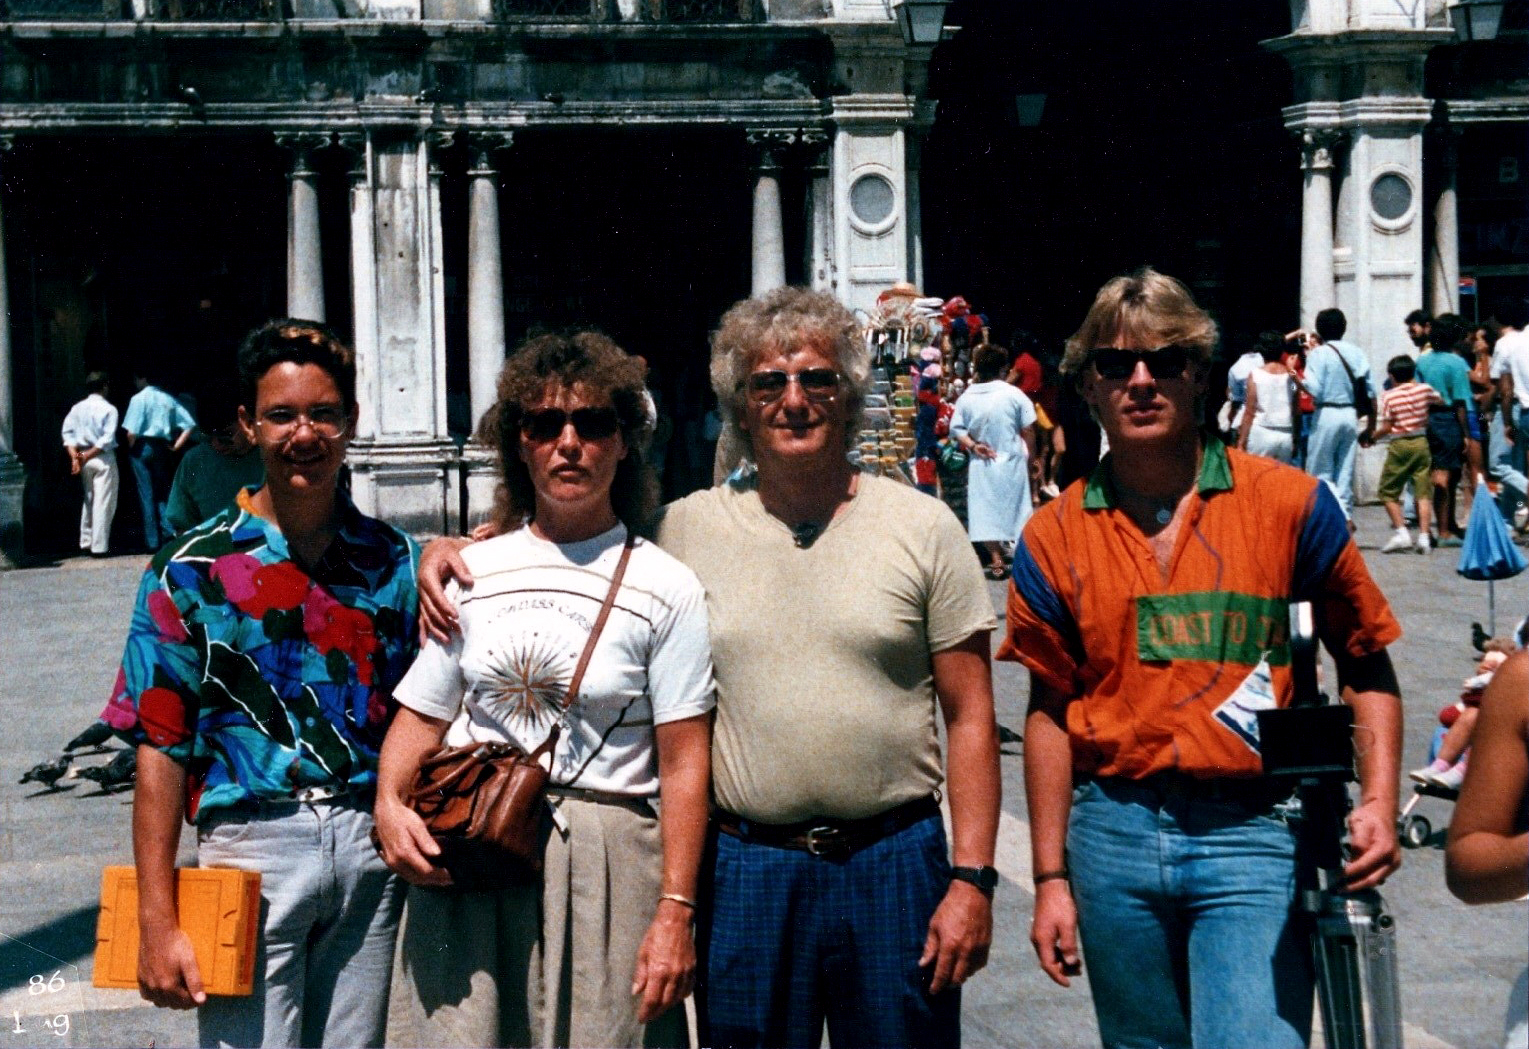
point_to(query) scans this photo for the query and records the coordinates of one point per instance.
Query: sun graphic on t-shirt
(525, 682)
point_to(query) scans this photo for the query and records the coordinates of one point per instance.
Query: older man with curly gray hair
(844, 609)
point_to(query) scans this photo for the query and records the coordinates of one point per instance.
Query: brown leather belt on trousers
(825, 836)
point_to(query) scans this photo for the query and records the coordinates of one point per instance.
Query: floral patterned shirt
(262, 678)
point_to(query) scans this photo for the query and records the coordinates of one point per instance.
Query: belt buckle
(312, 794)
(820, 841)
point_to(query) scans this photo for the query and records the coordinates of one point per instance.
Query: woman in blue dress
(994, 423)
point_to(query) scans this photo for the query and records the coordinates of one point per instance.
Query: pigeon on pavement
(48, 773)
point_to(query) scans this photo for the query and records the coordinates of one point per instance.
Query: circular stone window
(872, 198)
(1390, 196)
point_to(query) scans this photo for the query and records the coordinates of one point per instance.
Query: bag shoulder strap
(605, 613)
(589, 647)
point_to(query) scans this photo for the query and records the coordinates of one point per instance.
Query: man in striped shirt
(1404, 419)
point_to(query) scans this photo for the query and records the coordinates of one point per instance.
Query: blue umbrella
(1488, 552)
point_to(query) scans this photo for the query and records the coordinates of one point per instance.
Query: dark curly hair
(300, 342)
(595, 364)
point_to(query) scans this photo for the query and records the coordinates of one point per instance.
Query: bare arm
(407, 847)
(1487, 859)
(1368, 684)
(666, 961)
(440, 562)
(1048, 798)
(1505, 403)
(167, 970)
(962, 926)
(1249, 407)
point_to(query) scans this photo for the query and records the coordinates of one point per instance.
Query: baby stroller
(1413, 828)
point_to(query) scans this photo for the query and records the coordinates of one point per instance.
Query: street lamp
(921, 21)
(1476, 19)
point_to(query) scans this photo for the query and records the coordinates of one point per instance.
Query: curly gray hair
(779, 322)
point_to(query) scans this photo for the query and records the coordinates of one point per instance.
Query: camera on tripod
(1310, 745)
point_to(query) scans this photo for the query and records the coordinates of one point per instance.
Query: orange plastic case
(219, 910)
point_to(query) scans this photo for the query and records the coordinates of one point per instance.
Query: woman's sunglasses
(591, 424)
(1165, 362)
(819, 384)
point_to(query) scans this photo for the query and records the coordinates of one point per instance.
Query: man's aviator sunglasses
(1165, 362)
(591, 424)
(819, 384)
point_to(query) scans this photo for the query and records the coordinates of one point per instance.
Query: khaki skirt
(518, 967)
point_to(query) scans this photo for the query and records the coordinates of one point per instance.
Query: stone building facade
(1389, 103)
(435, 177)
(809, 114)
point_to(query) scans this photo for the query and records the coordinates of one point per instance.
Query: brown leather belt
(827, 837)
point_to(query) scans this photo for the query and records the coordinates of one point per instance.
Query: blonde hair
(1142, 303)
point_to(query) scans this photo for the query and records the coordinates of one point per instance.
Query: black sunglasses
(820, 384)
(591, 424)
(1165, 362)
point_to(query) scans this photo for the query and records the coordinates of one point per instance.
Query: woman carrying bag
(598, 947)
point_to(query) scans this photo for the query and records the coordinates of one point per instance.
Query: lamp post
(1476, 20)
(921, 21)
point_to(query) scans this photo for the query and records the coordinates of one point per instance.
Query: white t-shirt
(525, 621)
(1237, 383)
(1511, 355)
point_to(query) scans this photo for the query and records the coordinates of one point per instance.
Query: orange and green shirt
(1166, 671)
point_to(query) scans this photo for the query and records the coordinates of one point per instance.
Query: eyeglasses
(591, 424)
(326, 420)
(1165, 362)
(818, 384)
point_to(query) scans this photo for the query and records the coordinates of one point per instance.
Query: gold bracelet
(683, 901)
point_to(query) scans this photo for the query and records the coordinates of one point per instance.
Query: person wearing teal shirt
(1443, 369)
(215, 471)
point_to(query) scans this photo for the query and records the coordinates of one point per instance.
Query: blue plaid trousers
(789, 941)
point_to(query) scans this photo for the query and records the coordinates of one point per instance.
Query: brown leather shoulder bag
(484, 803)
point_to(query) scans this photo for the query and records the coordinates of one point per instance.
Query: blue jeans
(1507, 463)
(329, 918)
(1185, 914)
(152, 473)
(1330, 451)
(790, 940)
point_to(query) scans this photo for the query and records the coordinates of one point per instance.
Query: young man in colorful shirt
(257, 684)
(1150, 605)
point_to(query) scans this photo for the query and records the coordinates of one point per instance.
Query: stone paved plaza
(63, 627)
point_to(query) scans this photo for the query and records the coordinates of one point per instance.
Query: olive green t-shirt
(825, 693)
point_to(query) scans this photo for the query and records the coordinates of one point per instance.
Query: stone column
(403, 462)
(13, 477)
(1317, 291)
(768, 230)
(1444, 252)
(822, 274)
(485, 273)
(305, 254)
(915, 148)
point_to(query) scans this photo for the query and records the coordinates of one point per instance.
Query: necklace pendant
(1164, 515)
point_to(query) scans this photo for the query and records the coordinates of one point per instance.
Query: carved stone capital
(481, 147)
(302, 145)
(354, 145)
(814, 143)
(769, 146)
(1317, 145)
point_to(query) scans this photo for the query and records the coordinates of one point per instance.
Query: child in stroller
(1449, 751)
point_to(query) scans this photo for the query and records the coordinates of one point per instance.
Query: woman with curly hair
(600, 948)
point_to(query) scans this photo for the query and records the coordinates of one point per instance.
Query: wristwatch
(984, 878)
